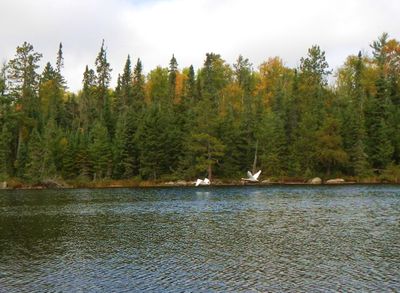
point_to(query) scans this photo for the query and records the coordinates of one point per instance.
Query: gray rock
(181, 183)
(315, 180)
(335, 181)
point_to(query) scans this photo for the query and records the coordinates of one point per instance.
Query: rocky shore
(58, 184)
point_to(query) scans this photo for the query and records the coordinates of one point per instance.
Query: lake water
(232, 239)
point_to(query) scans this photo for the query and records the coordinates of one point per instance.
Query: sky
(154, 30)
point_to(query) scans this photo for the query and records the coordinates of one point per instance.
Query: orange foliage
(179, 87)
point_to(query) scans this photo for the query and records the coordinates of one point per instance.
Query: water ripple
(274, 239)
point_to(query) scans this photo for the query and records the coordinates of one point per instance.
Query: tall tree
(380, 147)
(172, 75)
(23, 86)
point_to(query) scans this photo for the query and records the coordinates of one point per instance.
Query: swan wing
(198, 182)
(249, 174)
(257, 175)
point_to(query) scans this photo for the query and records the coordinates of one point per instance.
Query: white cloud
(154, 30)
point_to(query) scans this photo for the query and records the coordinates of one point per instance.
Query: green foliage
(100, 151)
(35, 166)
(158, 85)
(329, 152)
(5, 152)
(207, 150)
(273, 145)
(218, 121)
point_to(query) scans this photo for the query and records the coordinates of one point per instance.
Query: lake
(219, 239)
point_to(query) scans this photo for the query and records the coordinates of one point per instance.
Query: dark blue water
(238, 239)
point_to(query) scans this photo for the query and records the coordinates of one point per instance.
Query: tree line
(212, 121)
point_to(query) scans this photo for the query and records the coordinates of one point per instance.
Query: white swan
(251, 177)
(202, 182)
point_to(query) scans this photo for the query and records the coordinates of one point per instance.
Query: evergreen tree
(103, 70)
(87, 105)
(5, 153)
(50, 143)
(23, 86)
(215, 75)
(124, 96)
(329, 149)
(272, 141)
(35, 165)
(59, 66)
(99, 151)
(190, 85)
(138, 85)
(380, 148)
(172, 74)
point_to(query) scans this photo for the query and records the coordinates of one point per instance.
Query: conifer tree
(172, 73)
(5, 153)
(124, 97)
(35, 165)
(380, 148)
(99, 151)
(138, 85)
(88, 112)
(23, 86)
(103, 70)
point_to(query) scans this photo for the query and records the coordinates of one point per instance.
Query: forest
(210, 122)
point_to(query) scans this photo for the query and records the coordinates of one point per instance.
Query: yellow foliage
(271, 73)
(231, 95)
(179, 87)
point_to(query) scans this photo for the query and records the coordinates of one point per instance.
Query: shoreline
(59, 184)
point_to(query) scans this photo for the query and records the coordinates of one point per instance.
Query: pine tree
(190, 85)
(23, 86)
(99, 151)
(215, 75)
(5, 153)
(272, 141)
(103, 71)
(172, 73)
(138, 86)
(124, 97)
(50, 142)
(329, 148)
(59, 66)
(380, 148)
(207, 150)
(35, 165)
(70, 168)
(359, 156)
(151, 144)
(88, 112)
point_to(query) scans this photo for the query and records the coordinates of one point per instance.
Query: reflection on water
(290, 239)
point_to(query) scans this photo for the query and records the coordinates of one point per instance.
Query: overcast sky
(154, 30)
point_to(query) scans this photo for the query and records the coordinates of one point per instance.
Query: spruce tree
(5, 153)
(99, 151)
(35, 163)
(172, 74)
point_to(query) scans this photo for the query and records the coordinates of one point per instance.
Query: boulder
(267, 181)
(335, 181)
(3, 185)
(176, 183)
(315, 180)
(181, 183)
